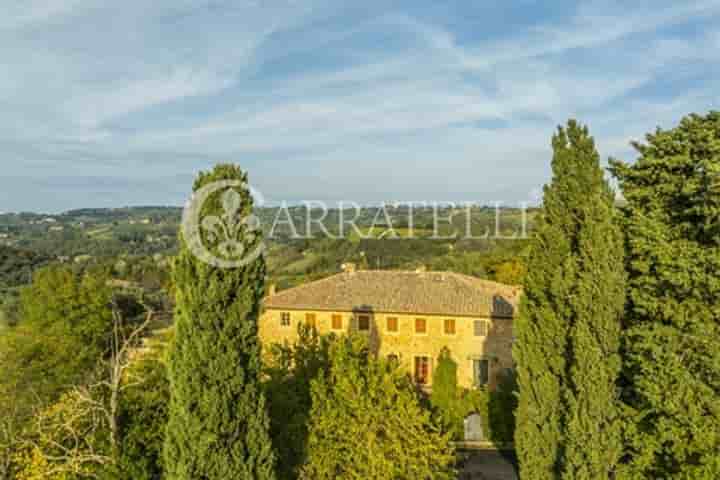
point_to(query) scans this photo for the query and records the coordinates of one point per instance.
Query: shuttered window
(310, 320)
(285, 319)
(449, 327)
(337, 322)
(420, 325)
(392, 324)
(422, 370)
(481, 372)
(363, 322)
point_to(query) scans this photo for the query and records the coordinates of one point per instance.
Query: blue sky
(121, 103)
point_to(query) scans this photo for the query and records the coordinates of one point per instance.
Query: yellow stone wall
(464, 346)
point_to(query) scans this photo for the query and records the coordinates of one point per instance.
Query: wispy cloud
(310, 98)
(93, 108)
(594, 25)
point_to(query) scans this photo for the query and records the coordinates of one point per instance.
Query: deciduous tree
(63, 333)
(673, 336)
(289, 375)
(66, 440)
(366, 422)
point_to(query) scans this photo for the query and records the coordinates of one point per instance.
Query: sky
(109, 104)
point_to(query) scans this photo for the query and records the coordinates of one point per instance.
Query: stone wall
(406, 344)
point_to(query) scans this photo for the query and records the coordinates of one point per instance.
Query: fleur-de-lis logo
(224, 230)
(230, 240)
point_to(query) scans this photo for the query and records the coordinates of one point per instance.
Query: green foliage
(367, 422)
(66, 320)
(144, 414)
(468, 263)
(218, 424)
(452, 404)
(65, 324)
(568, 330)
(446, 399)
(16, 268)
(139, 239)
(9, 309)
(64, 441)
(289, 375)
(99, 233)
(501, 407)
(151, 273)
(71, 438)
(505, 261)
(511, 272)
(673, 317)
(17, 265)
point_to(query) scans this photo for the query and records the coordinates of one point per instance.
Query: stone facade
(409, 316)
(482, 352)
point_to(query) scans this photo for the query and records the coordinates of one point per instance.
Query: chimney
(348, 267)
(271, 290)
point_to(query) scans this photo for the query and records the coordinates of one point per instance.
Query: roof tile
(391, 291)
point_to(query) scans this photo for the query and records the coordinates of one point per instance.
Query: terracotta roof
(389, 291)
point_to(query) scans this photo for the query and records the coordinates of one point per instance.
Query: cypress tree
(568, 330)
(218, 424)
(445, 398)
(672, 339)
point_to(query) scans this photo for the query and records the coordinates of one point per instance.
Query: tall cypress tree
(567, 334)
(218, 425)
(673, 332)
(445, 397)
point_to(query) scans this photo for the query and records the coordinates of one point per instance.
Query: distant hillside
(134, 241)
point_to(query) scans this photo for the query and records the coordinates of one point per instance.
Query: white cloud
(593, 26)
(309, 100)
(91, 109)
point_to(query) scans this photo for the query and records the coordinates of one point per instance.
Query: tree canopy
(672, 361)
(366, 422)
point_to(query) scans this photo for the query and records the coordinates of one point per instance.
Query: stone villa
(409, 316)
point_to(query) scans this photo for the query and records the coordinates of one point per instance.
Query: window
(392, 324)
(420, 325)
(364, 322)
(285, 319)
(449, 326)
(337, 322)
(481, 328)
(422, 370)
(481, 372)
(310, 320)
